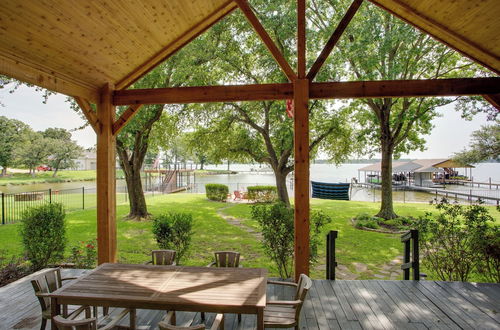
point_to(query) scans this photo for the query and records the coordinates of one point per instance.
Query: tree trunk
(281, 187)
(4, 171)
(386, 208)
(202, 163)
(138, 207)
(56, 168)
(132, 170)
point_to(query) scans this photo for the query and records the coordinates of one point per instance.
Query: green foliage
(62, 149)
(43, 232)
(484, 145)
(84, 254)
(319, 220)
(459, 240)
(11, 268)
(11, 135)
(368, 223)
(276, 222)
(277, 225)
(262, 194)
(174, 231)
(365, 220)
(33, 151)
(216, 192)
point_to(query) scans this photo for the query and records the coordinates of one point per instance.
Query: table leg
(260, 319)
(133, 319)
(55, 309)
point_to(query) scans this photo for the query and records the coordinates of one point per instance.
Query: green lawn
(212, 233)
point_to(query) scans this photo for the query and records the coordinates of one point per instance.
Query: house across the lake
(420, 172)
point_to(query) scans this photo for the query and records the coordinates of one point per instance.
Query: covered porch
(359, 304)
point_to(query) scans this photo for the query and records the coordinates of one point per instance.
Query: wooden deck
(367, 304)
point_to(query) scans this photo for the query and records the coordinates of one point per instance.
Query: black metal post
(415, 255)
(330, 255)
(406, 271)
(83, 198)
(50, 195)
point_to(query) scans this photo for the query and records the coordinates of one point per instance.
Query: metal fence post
(331, 263)
(83, 198)
(50, 195)
(3, 209)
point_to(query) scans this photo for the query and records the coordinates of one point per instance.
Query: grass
(212, 233)
(46, 177)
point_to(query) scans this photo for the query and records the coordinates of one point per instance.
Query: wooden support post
(301, 191)
(331, 262)
(106, 180)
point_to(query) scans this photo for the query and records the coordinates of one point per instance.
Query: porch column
(106, 179)
(301, 190)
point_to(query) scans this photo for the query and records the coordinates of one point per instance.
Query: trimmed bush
(276, 221)
(216, 192)
(370, 223)
(263, 194)
(173, 231)
(43, 233)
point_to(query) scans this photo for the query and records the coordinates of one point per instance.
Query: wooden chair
(168, 323)
(225, 259)
(286, 313)
(45, 283)
(91, 323)
(162, 257)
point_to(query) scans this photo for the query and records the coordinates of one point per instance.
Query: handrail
(410, 240)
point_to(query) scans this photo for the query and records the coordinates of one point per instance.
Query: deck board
(363, 304)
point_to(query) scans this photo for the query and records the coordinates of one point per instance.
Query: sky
(450, 134)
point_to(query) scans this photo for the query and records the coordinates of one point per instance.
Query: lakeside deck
(358, 304)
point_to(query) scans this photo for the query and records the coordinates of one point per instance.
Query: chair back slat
(163, 257)
(47, 282)
(227, 259)
(303, 286)
(65, 324)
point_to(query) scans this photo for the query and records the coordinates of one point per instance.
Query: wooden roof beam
(89, 113)
(126, 116)
(405, 88)
(334, 39)
(329, 90)
(46, 78)
(275, 52)
(494, 100)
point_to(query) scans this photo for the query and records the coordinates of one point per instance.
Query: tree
(63, 150)
(261, 131)
(11, 136)
(33, 151)
(378, 46)
(485, 145)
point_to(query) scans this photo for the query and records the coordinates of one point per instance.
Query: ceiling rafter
(275, 52)
(334, 38)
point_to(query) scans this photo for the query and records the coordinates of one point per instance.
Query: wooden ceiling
(470, 26)
(75, 47)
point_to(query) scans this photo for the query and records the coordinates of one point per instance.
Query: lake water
(260, 175)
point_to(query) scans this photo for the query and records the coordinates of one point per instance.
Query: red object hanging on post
(290, 108)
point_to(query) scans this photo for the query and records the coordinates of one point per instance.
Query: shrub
(263, 194)
(84, 255)
(216, 192)
(43, 233)
(318, 220)
(276, 221)
(173, 231)
(369, 223)
(455, 242)
(277, 224)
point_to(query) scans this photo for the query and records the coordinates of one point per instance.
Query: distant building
(420, 172)
(87, 161)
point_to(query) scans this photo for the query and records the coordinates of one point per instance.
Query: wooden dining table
(178, 288)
